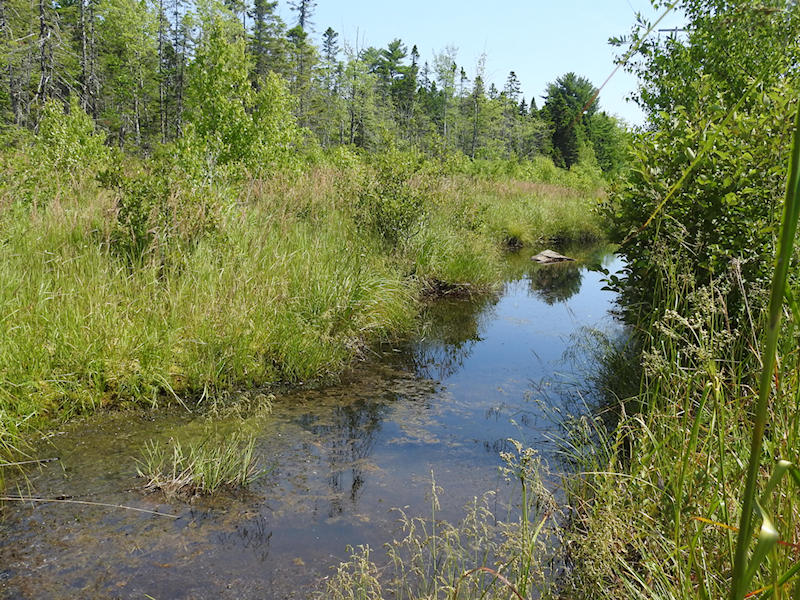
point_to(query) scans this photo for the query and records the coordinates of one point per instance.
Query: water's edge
(444, 404)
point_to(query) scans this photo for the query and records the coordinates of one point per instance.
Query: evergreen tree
(305, 12)
(608, 141)
(302, 58)
(512, 124)
(267, 45)
(570, 102)
(512, 87)
(327, 103)
(404, 92)
(16, 19)
(330, 45)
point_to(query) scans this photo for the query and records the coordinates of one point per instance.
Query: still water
(441, 405)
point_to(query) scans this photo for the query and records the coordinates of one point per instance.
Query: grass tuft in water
(199, 469)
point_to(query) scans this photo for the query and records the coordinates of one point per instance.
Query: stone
(547, 257)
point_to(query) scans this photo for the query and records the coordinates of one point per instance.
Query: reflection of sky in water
(520, 340)
(343, 457)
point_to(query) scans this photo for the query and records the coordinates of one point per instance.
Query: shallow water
(342, 457)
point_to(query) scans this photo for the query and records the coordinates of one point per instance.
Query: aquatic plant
(201, 468)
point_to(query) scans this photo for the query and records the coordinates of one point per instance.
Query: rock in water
(547, 257)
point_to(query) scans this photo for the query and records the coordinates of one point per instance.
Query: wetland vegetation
(693, 493)
(204, 230)
(257, 213)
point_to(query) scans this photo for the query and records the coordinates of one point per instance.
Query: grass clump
(200, 469)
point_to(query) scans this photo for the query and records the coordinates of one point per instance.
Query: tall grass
(261, 302)
(488, 554)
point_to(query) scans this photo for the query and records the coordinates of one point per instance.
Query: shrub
(391, 202)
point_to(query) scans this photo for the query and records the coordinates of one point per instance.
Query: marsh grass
(280, 287)
(202, 468)
(657, 492)
(485, 555)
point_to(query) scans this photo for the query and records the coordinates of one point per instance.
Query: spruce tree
(267, 45)
(569, 104)
(305, 12)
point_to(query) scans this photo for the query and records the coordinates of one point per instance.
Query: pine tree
(328, 107)
(512, 87)
(330, 45)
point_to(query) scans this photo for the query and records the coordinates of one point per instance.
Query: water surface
(442, 405)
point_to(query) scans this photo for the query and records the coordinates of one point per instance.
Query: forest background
(144, 71)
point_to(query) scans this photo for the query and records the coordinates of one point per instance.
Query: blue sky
(539, 40)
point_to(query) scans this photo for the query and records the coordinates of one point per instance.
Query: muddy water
(341, 458)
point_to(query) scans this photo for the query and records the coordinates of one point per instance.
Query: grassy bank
(704, 432)
(149, 286)
(658, 496)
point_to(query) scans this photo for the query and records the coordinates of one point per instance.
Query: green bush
(67, 141)
(392, 201)
(723, 214)
(159, 212)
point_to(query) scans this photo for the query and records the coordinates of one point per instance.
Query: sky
(539, 40)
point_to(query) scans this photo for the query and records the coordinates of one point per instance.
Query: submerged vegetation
(485, 555)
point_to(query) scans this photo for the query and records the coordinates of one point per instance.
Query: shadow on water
(342, 457)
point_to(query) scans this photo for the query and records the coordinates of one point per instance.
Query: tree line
(144, 69)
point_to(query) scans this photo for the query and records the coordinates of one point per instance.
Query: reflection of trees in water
(346, 438)
(253, 534)
(451, 328)
(557, 282)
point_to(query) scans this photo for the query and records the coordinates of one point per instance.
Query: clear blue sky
(539, 40)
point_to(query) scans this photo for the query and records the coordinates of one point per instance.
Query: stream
(441, 406)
